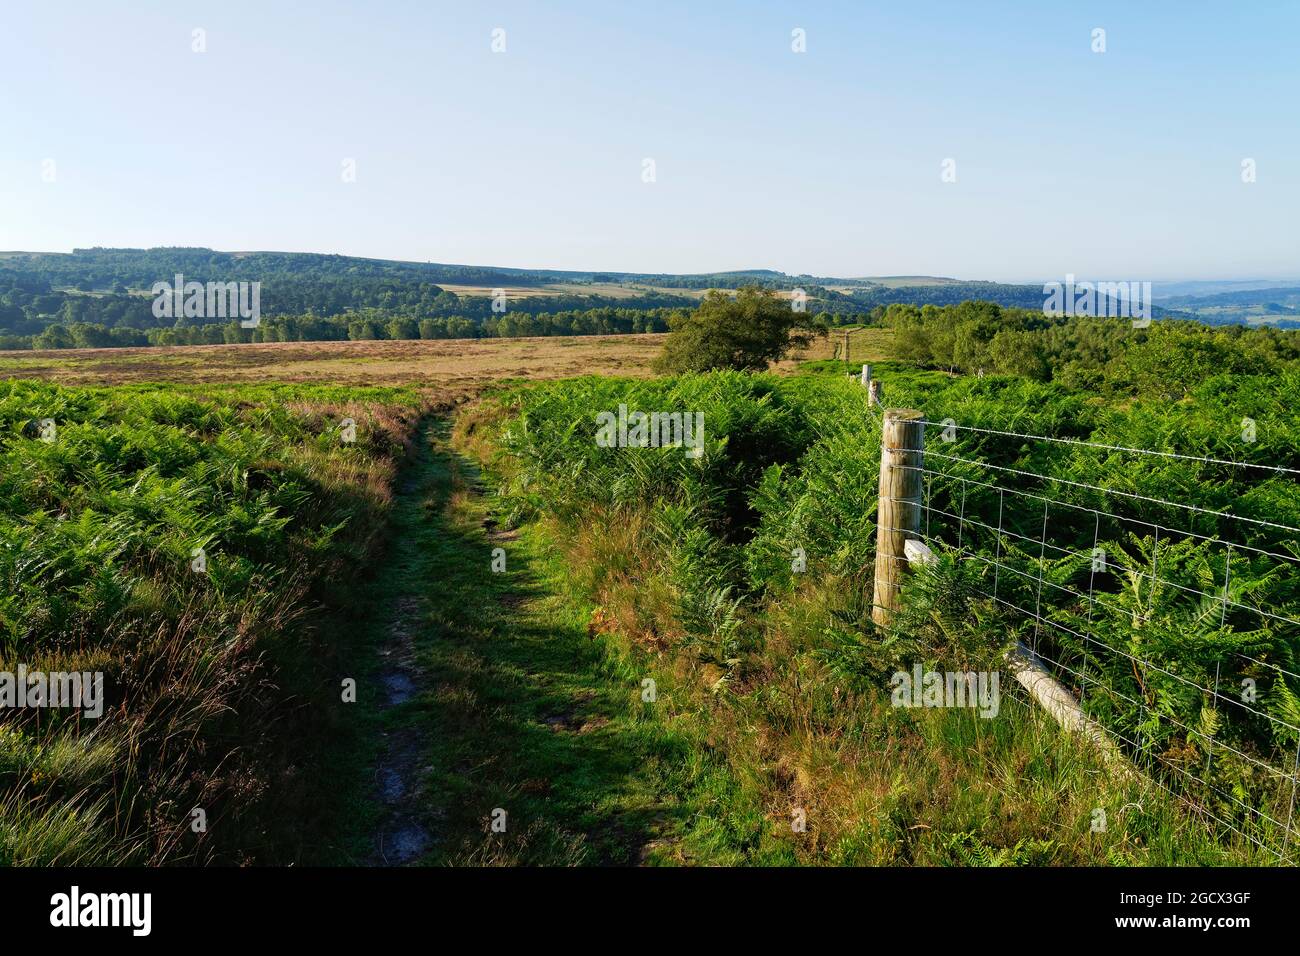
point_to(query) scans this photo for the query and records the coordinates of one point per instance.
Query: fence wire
(1031, 532)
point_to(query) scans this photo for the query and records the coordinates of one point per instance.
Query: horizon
(830, 161)
(634, 272)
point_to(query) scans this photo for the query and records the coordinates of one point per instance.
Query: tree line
(1167, 357)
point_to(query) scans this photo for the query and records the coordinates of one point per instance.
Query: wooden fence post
(875, 393)
(898, 511)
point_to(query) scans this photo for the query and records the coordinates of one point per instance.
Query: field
(456, 366)
(895, 282)
(604, 290)
(235, 450)
(471, 613)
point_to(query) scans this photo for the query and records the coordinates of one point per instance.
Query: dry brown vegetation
(452, 364)
(449, 367)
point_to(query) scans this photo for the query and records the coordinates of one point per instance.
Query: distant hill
(103, 296)
(1212, 287)
(328, 285)
(1275, 305)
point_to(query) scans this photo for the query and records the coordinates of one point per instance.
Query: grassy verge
(869, 783)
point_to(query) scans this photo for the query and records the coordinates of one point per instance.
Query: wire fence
(1176, 624)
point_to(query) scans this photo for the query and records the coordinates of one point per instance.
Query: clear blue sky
(1122, 165)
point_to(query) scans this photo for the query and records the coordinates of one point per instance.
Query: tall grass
(211, 678)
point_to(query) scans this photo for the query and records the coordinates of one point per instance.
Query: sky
(1125, 164)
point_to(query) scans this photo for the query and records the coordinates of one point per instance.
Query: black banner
(333, 906)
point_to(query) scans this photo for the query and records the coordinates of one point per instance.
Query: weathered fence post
(898, 512)
(866, 376)
(875, 393)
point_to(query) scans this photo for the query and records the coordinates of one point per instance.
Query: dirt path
(508, 736)
(403, 837)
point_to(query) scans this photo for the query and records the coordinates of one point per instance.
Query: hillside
(102, 298)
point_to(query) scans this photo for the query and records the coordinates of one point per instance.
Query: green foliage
(968, 849)
(747, 426)
(98, 531)
(1134, 641)
(1169, 358)
(101, 298)
(746, 332)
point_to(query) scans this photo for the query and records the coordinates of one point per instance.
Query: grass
(443, 368)
(605, 290)
(228, 683)
(769, 738)
(865, 345)
(876, 785)
(216, 681)
(520, 709)
(687, 567)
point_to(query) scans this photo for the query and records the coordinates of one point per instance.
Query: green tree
(363, 330)
(54, 337)
(403, 328)
(1015, 352)
(748, 332)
